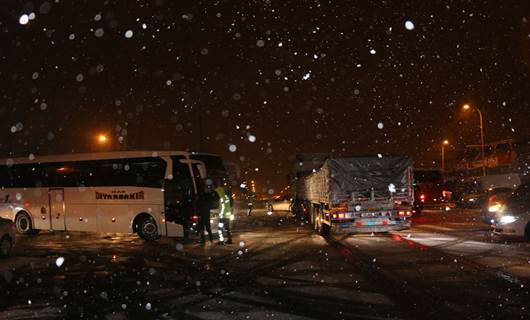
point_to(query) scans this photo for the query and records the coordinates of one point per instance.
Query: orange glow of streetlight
(446, 142)
(102, 138)
(466, 107)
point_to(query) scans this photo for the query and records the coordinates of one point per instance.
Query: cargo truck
(356, 195)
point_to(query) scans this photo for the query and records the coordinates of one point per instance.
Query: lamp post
(468, 107)
(444, 143)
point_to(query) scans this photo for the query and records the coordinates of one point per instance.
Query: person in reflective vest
(226, 216)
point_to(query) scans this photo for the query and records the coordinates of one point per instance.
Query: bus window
(22, 176)
(142, 172)
(147, 173)
(180, 170)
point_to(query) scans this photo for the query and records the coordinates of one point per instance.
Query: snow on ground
(462, 234)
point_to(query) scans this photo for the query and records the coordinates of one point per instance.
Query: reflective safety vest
(250, 199)
(225, 209)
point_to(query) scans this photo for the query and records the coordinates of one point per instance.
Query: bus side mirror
(6, 199)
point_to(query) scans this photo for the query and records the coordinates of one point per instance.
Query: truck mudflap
(369, 225)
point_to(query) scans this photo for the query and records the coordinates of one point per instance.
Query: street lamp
(444, 143)
(467, 107)
(102, 138)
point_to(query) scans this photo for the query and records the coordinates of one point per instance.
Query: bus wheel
(147, 229)
(23, 224)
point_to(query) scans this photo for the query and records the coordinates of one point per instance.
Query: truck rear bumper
(354, 228)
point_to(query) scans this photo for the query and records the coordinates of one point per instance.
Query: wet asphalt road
(447, 267)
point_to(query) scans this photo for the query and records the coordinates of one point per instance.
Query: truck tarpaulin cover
(361, 174)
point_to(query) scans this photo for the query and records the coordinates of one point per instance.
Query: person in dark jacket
(205, 198)
(179, 205)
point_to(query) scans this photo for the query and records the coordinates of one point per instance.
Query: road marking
(433, 227)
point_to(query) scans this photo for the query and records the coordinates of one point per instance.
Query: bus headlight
(507, 219)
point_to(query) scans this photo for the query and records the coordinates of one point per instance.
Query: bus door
(57, 209)
(197, 171)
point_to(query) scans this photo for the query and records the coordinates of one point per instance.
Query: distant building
(501, 157)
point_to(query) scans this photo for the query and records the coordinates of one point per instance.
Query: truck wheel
(5, 247)
(315, 216)
(325, 229)
(147, 229)
(316, 225)
(24, 225)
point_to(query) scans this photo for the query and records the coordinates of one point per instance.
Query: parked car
(513, 218)
(7, 236)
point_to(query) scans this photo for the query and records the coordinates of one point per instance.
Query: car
(8, 210)
(282, 203)
(513, 219)
(495, 199)
(484, 199)
(7, 236)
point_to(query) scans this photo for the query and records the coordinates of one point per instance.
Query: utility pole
(199, 110)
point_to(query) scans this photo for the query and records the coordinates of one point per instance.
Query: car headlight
(507, 219)
(495, 208)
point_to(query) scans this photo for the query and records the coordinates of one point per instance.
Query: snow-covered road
(446, 267)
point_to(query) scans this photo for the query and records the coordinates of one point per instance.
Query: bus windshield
(213, 163)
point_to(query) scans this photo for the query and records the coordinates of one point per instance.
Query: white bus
(144, 192)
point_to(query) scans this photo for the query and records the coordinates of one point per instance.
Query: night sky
(341, 77)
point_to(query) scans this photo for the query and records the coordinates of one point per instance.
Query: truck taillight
(339, 215)
(422, 198)
(404, 213)
(194, 218)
